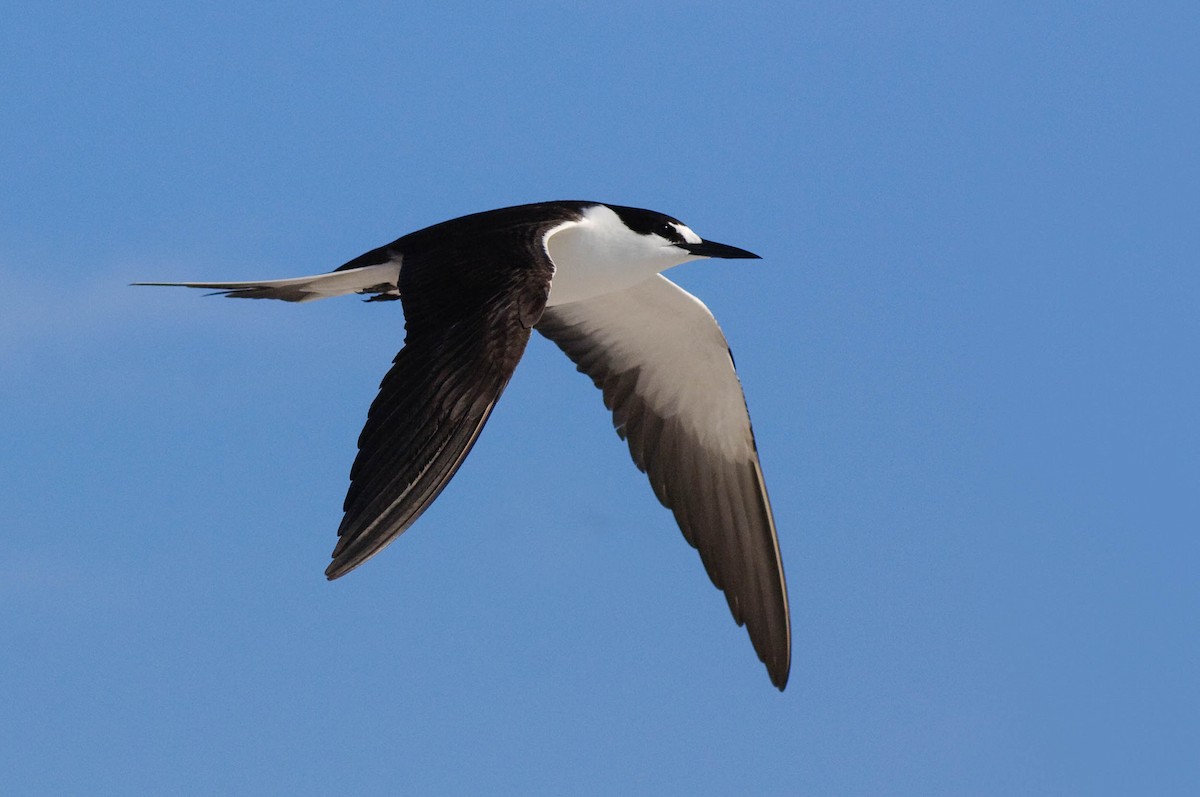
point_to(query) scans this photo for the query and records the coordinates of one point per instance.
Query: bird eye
(669, 232)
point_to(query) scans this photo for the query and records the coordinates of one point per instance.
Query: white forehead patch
(687, 233)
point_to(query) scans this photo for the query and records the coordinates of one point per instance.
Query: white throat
(598, 254)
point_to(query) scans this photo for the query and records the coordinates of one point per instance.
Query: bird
(587, 276)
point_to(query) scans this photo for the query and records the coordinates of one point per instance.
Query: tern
(587, 275)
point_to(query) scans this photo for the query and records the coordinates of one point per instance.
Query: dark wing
(665, 369)
(468, 319)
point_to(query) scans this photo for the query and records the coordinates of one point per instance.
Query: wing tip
(343, 564)
(779, 673)
(776, 652)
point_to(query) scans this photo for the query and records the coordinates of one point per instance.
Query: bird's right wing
(667, 375)
(468, 321)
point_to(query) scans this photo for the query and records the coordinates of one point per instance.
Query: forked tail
(379, 280)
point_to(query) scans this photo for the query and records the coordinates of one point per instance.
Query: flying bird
(587, 276)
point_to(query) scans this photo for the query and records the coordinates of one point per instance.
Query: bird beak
(714, 249)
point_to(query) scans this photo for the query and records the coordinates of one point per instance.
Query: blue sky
(970, 352)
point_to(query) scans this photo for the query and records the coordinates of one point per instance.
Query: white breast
(598, 254)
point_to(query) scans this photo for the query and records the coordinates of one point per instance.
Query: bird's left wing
(468, 319)
(666, 373)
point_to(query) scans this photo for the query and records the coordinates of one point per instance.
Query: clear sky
(970, 352)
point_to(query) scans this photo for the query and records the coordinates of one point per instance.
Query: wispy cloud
(82, 304)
